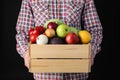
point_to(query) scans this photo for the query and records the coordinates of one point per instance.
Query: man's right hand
(26, 58)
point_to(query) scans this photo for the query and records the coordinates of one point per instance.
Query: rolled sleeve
(93, 25)
(24, 23)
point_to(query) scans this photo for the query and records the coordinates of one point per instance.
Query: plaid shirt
(72, 12)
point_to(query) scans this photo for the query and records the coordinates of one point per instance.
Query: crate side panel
(59, 51)
(60, 65)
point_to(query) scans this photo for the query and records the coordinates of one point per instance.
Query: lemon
(85, 36)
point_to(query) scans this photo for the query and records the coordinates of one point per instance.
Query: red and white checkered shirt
(72, 12)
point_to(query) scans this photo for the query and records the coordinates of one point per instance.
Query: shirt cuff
(94, 50)
(22, 49)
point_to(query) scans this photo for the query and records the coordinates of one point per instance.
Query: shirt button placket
(58, 9)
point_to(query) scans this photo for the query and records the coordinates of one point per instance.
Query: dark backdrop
(13, 65)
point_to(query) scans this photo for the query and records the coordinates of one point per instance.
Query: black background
(105, 63)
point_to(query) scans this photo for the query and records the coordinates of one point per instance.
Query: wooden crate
(60, 58)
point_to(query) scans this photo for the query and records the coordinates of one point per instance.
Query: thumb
(26, 59)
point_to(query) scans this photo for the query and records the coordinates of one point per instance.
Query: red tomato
(37, 30)
(34, 32)
(33, 38)
(40, 29)
(31, 31)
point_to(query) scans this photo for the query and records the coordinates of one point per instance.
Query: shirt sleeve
(24, 23)
(93, 25)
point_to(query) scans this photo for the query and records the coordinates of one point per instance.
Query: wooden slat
(60, 65)
(60, 51)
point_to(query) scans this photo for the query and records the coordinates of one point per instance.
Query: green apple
(75, 30)
(58, 21)
(62, 30)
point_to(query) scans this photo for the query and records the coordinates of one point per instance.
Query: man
(76, 13)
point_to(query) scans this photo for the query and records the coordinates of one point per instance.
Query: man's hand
(26, 58)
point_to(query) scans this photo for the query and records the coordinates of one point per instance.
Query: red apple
(52, 25)
(72, 38)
